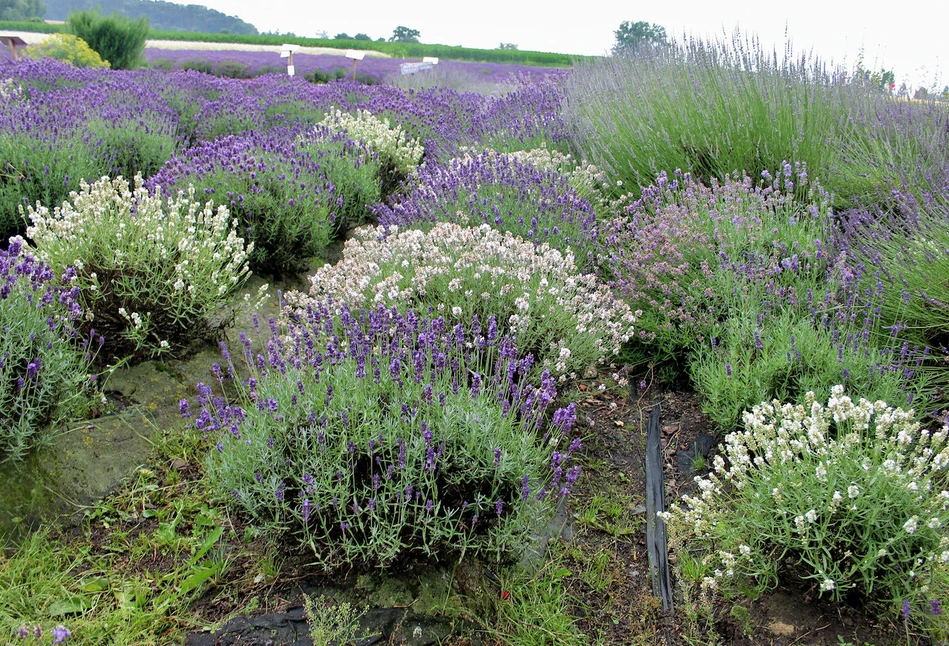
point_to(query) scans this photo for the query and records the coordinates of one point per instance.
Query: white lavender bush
(152, 273)
(390, 142)
(565, 318)
(850, 497)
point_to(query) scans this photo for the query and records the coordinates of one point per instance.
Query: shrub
(281, 191)
(44, 171)
(130, 148)
(163, 64)
(270, 69)
(587, 180)
(198, 65)
(153, 273)
(116, 38)
(785, 355)
(377, 436)
(566, 319)
(321, 76)
(708, 108)
(67, 48)
(233, 70)
(398, 155)
(692, 256)
(897, 150)
(510, 195)
(904, 259)
(353, 171)
(845, 496)
(43, 360)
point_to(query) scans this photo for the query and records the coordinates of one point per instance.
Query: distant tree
(632, 36)
(380, 39)
(21, 9)
(921, 94)
(116, 38)
(361, 36)
(404, 35)
(507, 46)
(342, 36)
(883, 80)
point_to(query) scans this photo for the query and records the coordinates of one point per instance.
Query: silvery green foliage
(848, 495)
(566, 318)
(152, 272)
(390, 143)
(371, 435)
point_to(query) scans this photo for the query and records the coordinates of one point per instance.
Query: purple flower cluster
(278, 189)
(42, 355)
(499, 190)
(386, 433)
(678, 240)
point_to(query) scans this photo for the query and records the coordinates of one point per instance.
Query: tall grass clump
(373, 436)
(710, 108)
(117, 39)
(900, 261)
(847, 497)
(44, 361)
(152, 273)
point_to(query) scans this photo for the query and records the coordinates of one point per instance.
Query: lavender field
(378, 68)
(482, 276)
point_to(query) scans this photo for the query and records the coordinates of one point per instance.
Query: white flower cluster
(176, 252)
(536, 293)
(388, 142)
(10, 90)
(822, 467)
(585, 178)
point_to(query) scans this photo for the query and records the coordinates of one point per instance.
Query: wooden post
(12, 42)
(356, 56)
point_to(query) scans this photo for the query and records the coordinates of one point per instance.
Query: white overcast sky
(909, 37)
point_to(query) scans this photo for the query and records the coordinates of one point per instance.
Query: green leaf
(199, 577)
(95, 585)
(208, 543)
(71, 606)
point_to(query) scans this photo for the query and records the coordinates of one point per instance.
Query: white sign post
(286, 51)
(356, 55)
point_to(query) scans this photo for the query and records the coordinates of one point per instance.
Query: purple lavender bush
(735, 283)
(683, 251)
(69, 125)
(507, 194)
(43, 360)
(899, 262)
(372, 436)
(291, 197)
